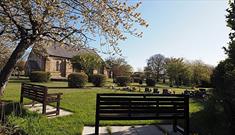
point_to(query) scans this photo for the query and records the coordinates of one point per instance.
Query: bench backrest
(141, 106)
(34, 92)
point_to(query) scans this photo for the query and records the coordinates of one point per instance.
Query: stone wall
(69, 67)
(102, 70)
(106, 73)
(50, 66)
(59, 67)
(65, 67)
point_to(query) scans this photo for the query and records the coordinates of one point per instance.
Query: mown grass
(80, 101)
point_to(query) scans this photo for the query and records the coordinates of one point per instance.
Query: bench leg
(186, 129)
(43, 108)
(21, 104)
(175, 125)
(33, 103)
(21, 100)
(58, 108)
(97, 127)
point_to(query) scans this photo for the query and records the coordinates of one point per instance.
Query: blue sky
(193, 29)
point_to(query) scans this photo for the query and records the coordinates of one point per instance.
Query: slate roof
(66, 52)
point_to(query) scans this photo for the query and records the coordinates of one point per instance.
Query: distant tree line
(174, 71)
(178, 71)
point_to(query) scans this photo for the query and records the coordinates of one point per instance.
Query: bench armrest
(53, 97)
(54, 94)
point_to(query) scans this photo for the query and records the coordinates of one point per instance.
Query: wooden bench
(40, 94)
(232, 117)
(143, 107)
(233, 123)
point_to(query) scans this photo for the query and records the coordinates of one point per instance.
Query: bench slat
(142, 107)
(161, 110)
(137, 107)
(137, 94)
(39, 93)
(140, 103)
(139, 99)
(150, 117)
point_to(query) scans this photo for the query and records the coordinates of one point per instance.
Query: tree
(20, 66)
(201, 73)
(4, 55)
(147, 72)
(177, 71)
(29, 23)
(156, 65)
(183, 72)
(223, 77)
(119, 67)
(138, 77)
(87, 62)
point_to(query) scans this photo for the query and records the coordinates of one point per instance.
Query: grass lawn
(80, 101)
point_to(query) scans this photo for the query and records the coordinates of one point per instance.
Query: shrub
(99, 80)
(205, 84)
(77, 80)
(136, 79)
(122, 80)
(90, 77)
(150, 82)
(140, 82)
(39, 76)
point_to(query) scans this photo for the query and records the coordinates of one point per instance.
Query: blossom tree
(29, 23)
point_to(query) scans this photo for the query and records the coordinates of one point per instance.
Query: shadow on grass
(19, 81)
(160, 86)
(9, 107)
(146, 129)
(16, 120)
(211, 120)
(61, 88)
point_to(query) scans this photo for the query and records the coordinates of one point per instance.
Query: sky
(192, 29)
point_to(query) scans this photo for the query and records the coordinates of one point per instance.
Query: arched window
(57, 66)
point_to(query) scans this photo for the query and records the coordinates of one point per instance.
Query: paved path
(169, 129)
(132, 130)
(125, 130)
(38, 108)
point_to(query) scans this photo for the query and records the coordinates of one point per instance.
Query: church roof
(67, 52)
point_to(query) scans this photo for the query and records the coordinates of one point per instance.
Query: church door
(63, 68)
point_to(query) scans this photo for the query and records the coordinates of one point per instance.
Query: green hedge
(150, 82)
(77, 80)
(39, 76)
(99, 80)
(122, 80)
(136, 79)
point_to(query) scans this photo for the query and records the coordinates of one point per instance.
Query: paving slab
(125, 130)
(38, 108)
(169, 129)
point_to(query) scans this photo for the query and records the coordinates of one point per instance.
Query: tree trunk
(5, 74)
(18, 74)
(157, 76)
